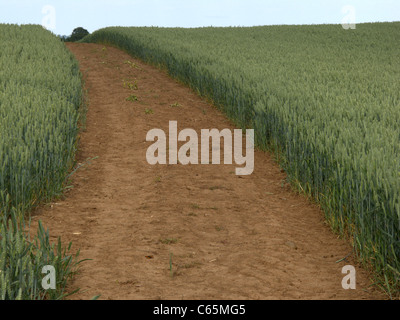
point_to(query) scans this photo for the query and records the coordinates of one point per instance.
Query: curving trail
(226, 237)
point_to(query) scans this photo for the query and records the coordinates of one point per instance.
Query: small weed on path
(132, 98)
(169, 241)
(131, 64)
(130, 85)
(176, 105)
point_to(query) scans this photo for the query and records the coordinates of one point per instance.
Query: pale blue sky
(96, 14)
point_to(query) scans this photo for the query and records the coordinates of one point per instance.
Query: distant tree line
(77, 34)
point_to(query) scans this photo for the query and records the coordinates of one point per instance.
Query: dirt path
(226, 237)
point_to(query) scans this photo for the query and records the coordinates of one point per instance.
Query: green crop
(40, 93)
(40, 99)
(22, 260)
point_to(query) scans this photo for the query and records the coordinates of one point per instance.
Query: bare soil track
(184, 232)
